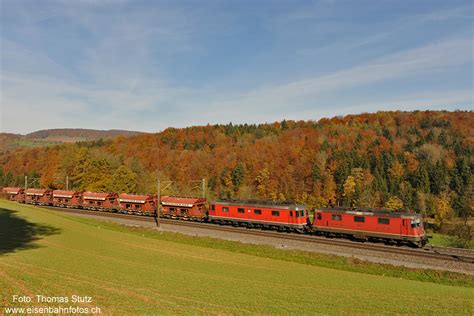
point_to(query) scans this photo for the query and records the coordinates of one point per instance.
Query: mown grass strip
(297, 256)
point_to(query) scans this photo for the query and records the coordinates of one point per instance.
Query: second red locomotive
(282, 216)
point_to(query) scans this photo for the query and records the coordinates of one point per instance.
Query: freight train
(375, 225)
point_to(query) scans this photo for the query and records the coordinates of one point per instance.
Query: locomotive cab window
(383, 221)
(257, 212)
(297, 214)
(225, 209)
(275, 213)
(213, 207)
(336, 217)
(240, 210)
(359, 219)
(291, 213)
(319, 216)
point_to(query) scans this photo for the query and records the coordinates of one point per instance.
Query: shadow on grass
(17, 233)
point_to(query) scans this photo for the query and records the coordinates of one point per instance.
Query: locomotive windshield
(415, 223)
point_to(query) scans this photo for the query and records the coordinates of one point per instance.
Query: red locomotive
(137, 204)
(370, 224)
(283, 216)
(187, 208)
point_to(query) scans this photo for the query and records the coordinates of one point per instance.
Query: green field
(137, 271)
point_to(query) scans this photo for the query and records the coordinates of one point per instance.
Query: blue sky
(148, 65)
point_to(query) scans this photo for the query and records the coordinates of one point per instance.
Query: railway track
(428, 252)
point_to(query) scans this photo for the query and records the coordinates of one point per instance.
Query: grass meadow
(140, 271)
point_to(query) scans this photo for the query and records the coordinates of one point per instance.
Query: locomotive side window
(213, 207)
(297, 214)
(240, 210)
(275, 213)
(319, 216)
(359, 219)
(257, 212)
(225, 209)
(383, 221)
(336, 217)
(291, 213)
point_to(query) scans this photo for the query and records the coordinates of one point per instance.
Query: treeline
(421, 161)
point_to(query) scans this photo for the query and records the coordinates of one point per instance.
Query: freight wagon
(137, 204)
(69, 199)
(14, 193)
(38, 196)
(186, 208)
(98, 201)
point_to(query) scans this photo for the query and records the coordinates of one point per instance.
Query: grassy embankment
(444, 240)
(135, 270)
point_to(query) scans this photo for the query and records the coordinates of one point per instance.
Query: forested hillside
(417, 160)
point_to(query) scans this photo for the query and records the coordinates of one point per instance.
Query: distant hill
(56, 136)
(78, 133)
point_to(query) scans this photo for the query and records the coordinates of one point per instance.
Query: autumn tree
(123, 180)
(329, 191)
(97, 176)
(349, 190)
(261, 182)
(394, 203)
(226, 183)
(442, 209)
